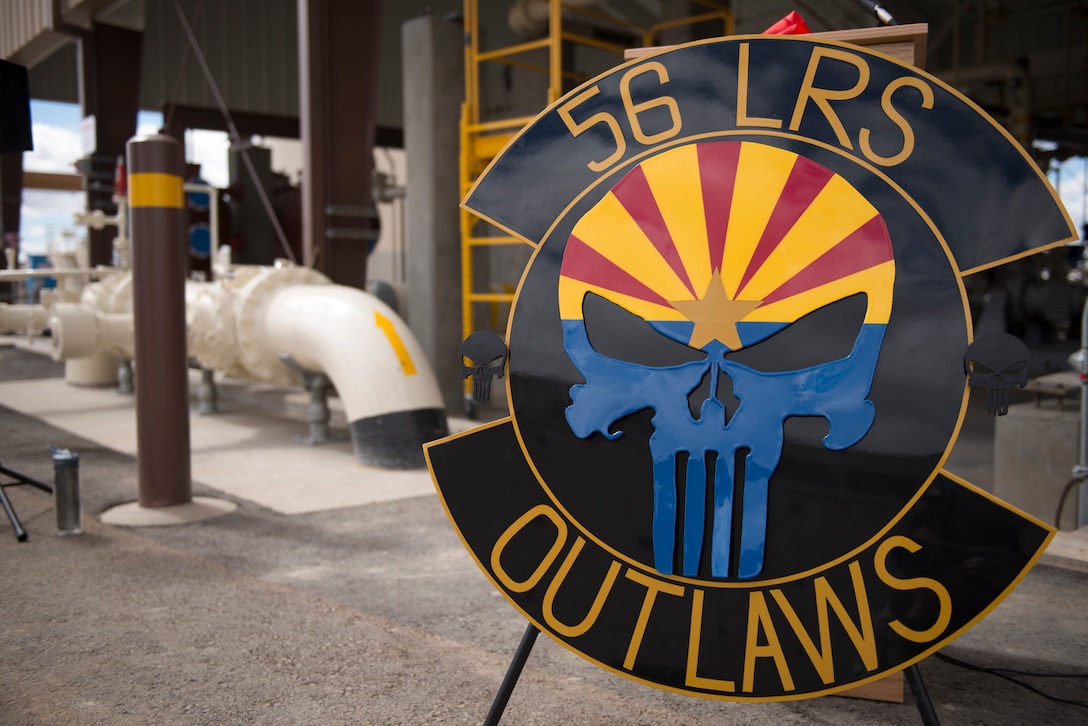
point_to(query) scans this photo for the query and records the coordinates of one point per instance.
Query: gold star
(715, 315)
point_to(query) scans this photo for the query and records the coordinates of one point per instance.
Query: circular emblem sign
(736, 369)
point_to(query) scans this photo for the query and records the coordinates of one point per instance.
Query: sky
(47, 215)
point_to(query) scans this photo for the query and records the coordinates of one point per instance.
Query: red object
(792, 24)
(120, 178)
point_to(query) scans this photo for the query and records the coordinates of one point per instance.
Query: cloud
(210, 150)
(46, 220)
(55, 149)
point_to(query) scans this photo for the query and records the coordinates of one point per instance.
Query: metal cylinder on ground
(66, 492)
(159, 249)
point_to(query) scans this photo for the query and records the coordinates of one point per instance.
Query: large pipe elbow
(390, 395)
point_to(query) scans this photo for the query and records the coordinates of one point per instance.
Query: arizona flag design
(728, 241)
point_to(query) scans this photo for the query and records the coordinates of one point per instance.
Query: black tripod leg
(921, 696)
(20, 533)
(23, 479)
(512, 674)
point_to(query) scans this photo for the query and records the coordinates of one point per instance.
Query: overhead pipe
(530, 17)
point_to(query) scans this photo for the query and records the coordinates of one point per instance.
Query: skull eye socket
(826, 334)
(469, 363)
(1016, 369)
(621, 335)
(979, 369)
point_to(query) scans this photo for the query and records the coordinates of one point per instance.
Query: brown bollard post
(156, 215)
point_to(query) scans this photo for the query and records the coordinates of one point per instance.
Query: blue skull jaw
(836, 390)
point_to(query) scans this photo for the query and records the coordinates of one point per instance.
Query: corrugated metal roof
(251, 46)
(24, 25)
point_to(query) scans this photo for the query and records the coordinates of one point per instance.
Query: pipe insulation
(240, 325)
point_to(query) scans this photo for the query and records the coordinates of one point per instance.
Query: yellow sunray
(836, 212)
(876, 282)
(762, 172)
(674, 181)
(572, 292)
(609, 230)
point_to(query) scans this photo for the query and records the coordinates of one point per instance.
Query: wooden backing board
(906, 43)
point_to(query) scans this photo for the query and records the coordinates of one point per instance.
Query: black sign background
(916, 555)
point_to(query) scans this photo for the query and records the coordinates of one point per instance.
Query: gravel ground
(376, 615)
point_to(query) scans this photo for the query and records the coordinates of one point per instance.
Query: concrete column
(159, 263)
(433, 68)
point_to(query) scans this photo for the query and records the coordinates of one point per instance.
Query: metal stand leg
(512, 674)
(208, 394)
(318, 384)
(20, 533)
(921, 696)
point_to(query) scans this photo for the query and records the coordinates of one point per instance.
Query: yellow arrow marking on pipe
(394, 340)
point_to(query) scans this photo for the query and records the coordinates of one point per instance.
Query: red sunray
(865, 247)
(718, 173)
(806, 180)
(582, 262)
(634, 193)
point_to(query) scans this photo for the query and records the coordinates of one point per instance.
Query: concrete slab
(1069, 550)
(134, 515)
(236, 452)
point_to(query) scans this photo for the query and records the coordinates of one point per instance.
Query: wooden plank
(906, 43)
(895, 40)
(888, 688)
(53, 181)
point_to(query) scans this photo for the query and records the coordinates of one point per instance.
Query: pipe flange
(111, 294)
(209, 330)
(250, 302)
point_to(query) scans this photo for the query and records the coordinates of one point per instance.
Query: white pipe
(80, 331)
(357, 341)
(28, 274)
(242, 324)
(23, 318)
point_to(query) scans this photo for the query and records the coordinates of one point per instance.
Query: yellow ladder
(482, 140)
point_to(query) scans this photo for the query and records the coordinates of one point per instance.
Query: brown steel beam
(178, 118)
(182, 117)
(11, 196)
(110, 79)
(339, 51)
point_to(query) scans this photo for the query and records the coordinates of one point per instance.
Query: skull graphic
(997, 362)
(719, 270)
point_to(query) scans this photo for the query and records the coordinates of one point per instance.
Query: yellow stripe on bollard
(154, 189)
